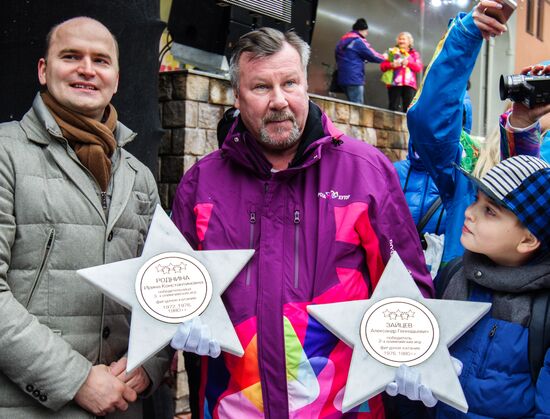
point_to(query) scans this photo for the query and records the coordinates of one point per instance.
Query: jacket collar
(39, 124)
(526, 278)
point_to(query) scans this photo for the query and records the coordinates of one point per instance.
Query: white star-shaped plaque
(381, 341)
(170, 283)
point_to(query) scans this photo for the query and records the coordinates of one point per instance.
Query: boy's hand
(488, 25)
(522, 116)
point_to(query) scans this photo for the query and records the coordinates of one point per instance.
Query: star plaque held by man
(397, 325)
(168, 284)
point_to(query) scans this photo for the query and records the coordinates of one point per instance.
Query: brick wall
(192, 103)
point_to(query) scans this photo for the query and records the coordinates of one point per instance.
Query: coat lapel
(123, 181)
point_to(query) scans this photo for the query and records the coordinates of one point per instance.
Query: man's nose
(86, 67)
(278, 98)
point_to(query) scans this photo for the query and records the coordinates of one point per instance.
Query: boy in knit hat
(506, 235)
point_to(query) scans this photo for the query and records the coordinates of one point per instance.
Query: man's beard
(280, 145)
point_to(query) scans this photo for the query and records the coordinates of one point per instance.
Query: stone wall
(192, 103)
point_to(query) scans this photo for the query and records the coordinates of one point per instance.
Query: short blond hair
(409, 36)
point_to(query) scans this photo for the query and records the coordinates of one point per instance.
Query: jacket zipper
(252, 220)
(104, 201)
(42, 265)
(492, 333)
(296, 247)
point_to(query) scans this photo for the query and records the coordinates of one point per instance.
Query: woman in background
(400, 70)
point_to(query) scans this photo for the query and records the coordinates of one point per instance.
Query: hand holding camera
(530, 92)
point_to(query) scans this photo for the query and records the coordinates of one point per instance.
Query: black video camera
(527, 89)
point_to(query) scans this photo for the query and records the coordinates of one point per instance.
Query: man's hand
(522, 116)
(488, 25)
(102, 393)
(137, 379)
(408, 382)
(195, 336)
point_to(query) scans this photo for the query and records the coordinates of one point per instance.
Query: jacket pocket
(142, 203)
(252, 222)
(488, 348)
(297, 218)
(45, 256)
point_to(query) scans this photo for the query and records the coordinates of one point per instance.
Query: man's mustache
(279, 116)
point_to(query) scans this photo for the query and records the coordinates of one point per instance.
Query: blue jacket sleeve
(542, 396)
(366, 52)
(435, 118)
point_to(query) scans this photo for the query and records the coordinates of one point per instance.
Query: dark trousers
(400, 97)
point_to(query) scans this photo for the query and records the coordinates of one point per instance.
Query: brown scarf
(93, 141)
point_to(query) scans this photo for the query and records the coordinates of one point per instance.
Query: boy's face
(492, 230)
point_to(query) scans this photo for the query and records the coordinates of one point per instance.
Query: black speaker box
(215, 26)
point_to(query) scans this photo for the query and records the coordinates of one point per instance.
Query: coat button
(36, 393)
(43, 398)
(29, 388)
(110, 236)
(106, 332)
(478, 274)
(236, 139)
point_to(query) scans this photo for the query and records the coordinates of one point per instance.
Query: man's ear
(117, 80)
(237, 102)
(42, 71)
(529, 243)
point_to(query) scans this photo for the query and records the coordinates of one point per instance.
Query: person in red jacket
(400, 70)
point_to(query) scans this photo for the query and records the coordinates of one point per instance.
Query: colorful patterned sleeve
(515, 142)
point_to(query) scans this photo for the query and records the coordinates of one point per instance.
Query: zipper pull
(296, 217)
(50, 240)
(252, 218)
(493, 331)
(104, 200)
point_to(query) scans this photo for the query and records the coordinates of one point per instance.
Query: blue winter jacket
(420, 192)
(467, 115)
(435, 124)
(351, 53)
(496, 375)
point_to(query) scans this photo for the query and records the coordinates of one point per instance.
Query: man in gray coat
(70, 198)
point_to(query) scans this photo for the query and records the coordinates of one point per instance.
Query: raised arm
(435, 117)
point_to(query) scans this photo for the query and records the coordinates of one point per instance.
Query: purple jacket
(323, 231)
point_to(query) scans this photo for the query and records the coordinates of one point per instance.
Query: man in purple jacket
(323, 212)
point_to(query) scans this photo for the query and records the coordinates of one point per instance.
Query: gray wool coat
(53, 325)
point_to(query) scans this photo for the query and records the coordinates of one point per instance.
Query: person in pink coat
(400, 70)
